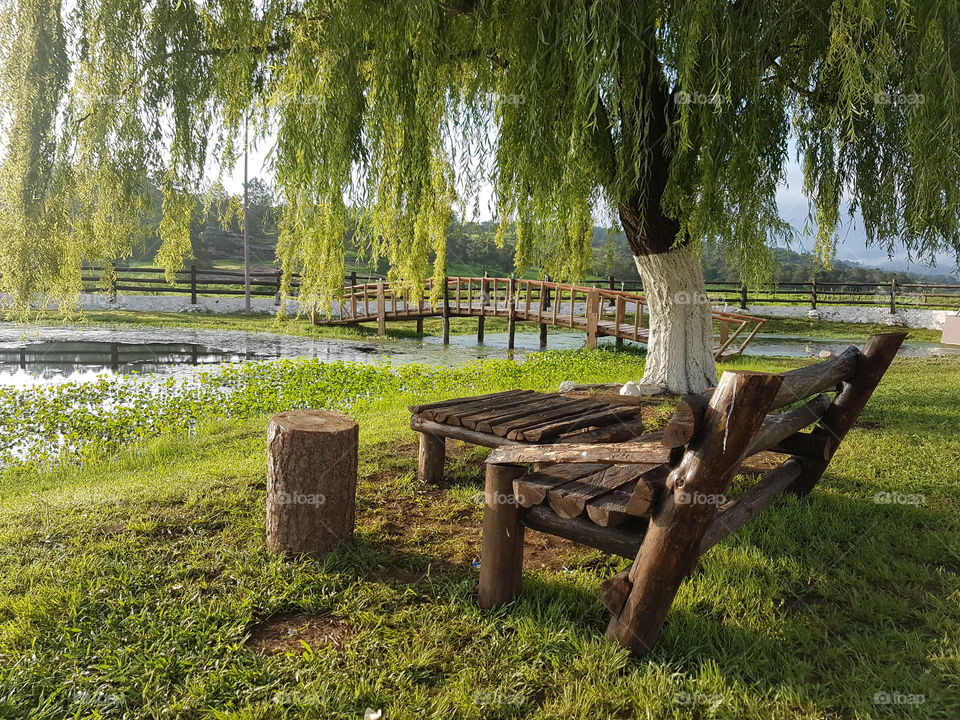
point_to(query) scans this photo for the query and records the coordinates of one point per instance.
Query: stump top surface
(319, 421)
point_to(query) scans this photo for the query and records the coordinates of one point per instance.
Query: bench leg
(430, 458)
(501, 560)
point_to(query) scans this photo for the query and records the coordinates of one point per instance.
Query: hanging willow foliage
(388, 115)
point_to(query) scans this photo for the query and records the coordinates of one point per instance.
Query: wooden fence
(198, 282)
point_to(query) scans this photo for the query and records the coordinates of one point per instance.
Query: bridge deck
(598, 312)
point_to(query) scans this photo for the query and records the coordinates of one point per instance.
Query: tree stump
(311, 480)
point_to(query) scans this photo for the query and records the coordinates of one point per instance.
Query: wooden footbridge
(598, 312)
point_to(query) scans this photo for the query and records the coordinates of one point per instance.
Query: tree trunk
(680, 350)
(311, 480)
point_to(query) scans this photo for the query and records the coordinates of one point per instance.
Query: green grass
(432, 326)
(839, 330)
(129, 586)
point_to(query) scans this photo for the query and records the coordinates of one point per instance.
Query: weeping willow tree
(673, 119)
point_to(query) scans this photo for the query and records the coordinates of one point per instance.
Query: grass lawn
(433, 326)
(138, 585)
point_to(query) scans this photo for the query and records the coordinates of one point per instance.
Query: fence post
(353, 278)
(381, 310)
(743, 296)
(193, 284)
(593, 316)
(511, 314)
(893, 296)
(446, 311)
(813, 294)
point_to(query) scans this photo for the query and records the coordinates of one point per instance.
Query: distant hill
(471, 249)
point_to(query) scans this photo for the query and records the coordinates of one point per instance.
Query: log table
(519, 417)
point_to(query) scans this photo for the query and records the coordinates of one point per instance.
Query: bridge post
(446, 311)
(543, 335)
(618, 313)
(480, 323)
(193, 286)
(381, 309)
(511, 314)
(593, 317)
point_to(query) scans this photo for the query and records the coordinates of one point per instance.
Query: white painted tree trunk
(680, 351)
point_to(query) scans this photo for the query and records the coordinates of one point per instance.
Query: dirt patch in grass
(289, 633)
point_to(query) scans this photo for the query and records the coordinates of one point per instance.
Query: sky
(790, 199)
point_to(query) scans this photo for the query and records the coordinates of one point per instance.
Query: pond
(56, 354)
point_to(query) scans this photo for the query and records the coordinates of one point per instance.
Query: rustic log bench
(659, 499)
(518, 417)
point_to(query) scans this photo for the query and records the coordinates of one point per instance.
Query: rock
(635, 389)
(567, 386)
(814, 315)
(826, 354)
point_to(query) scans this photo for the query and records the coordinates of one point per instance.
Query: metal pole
(246, 224)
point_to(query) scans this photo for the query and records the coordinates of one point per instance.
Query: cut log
(615, 590)
(685, 422)
(311, 480)
(596, 415)
(536, 413)
(501, 560)
(777, 427)
(416, 409)
(430, 458)
(617, 432)
(817, 378)
(648, 490)
(458, 433)
(650, 452)
(532, 488)
(849, 403)
(610, 510)
(623, 541)
(570, 499)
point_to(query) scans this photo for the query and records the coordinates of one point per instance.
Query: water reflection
(54, 359)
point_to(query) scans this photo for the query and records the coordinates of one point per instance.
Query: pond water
(55, 354)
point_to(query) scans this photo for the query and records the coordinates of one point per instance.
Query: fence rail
(198, 282)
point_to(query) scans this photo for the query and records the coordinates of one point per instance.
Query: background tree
(673, 118)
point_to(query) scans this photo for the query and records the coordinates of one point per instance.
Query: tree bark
(311, 480)
(679, 351)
